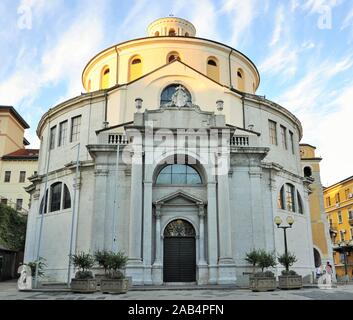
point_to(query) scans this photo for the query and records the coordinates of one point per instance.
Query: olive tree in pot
(115, 281)
(264, 280)
(102, 258)
(289, 278)
(41, 267)
(84, 281)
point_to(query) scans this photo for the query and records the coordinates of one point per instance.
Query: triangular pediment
(180, 198)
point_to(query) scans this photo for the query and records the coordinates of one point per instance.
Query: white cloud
(242, 14)
(280, 19)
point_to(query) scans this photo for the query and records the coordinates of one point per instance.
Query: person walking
(329, 272)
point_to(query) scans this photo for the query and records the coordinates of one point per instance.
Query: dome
(171, 26)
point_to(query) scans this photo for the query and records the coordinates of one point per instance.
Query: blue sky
(303, 49)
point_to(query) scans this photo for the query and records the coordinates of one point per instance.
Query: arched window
(286, 198)
(187, 34)
(172, 33)
(167, 94)
(178, 174)
(173, 56)
(156, 34)
(300, 203)
(241, 80)
(213, 69)
(105, 78)
(179, 228)
(308, 172)
(59, 198)
(135, 68)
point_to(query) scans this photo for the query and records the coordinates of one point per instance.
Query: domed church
(171, 157)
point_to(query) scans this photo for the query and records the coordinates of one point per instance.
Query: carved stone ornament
(179, 228)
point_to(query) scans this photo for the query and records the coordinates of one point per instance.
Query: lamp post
(278, 222)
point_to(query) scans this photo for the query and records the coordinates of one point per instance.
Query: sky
(302, 48)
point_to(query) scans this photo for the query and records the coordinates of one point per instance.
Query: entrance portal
(179, 263)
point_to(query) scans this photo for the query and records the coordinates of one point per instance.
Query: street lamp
(278, 222)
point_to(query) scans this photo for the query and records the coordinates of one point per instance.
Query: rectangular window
(338, 198)
(35, 173)
(291, 136)
(52, 137)
(62, 133)
(284, 137)
(4, 201)
(7, 176)
(340, 221)
(19, 204)
(347, 193)
(75, 129)
(350, 214)
(352, 233)
(328, 202)
(273, 132)
(342, 235)
(22, 176)
(290, 197)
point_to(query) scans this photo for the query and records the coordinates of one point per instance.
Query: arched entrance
(317, 258)
(179, 263)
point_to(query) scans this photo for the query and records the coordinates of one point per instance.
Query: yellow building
(339, 209)
(17, 163)
(319, 225)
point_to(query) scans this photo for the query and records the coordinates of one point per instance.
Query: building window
(22, 176)
(135, 68)
(289, 192)
(284, 137)
(3, 201)
(62, 133)
(172, 33)
(291, 136)
(168, 92)
(328, 202)
(60, 198)
(352, 233)
(172, 56)
(187, 34)
(342, 235)
(105, 77)
(213, 69)
(340, 220)
(338, 198)
(241, 80)
(75, 129)
(280, 201)
(350, 214)
(44, 204)
(52, 138)
(347, 193)
(179, 175)
(273, 132)
(7, 176)
(156, 34)
(55, 197)
(300, 203)
(35, 173)
(19, 204)
(307, 172)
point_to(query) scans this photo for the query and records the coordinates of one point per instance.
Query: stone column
(158, 266)
(98, 224)
(202, 264)
(134, 266)
(212, 229)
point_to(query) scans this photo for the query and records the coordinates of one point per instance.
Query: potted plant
(264, 280)
(84, 281)
(115, 281)
(289, 278)
(33, 265)
(102, 258)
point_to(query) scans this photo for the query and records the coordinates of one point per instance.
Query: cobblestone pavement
(8, 291)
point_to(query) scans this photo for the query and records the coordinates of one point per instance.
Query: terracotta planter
(263, 284)
(114, 286)
(290, 282)
(84, 285)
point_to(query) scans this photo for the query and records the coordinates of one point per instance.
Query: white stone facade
(120, 206)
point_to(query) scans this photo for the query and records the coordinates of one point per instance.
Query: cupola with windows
(172, 27)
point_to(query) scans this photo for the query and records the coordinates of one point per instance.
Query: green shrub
(41, 266)
(102, 258)
(116, 261)
(266, 260)
(252, 257)
(84, 262)
(287, 260)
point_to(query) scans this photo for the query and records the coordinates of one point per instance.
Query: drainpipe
(230, 70)
(243, 106)
(105, 107)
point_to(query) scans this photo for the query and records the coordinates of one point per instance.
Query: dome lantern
(171, 26)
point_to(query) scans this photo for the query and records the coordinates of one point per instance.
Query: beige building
(319, 225)
(17, 163)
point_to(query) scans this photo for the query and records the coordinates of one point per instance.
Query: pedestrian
(329, 272)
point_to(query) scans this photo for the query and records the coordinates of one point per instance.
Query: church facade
(171, 157)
